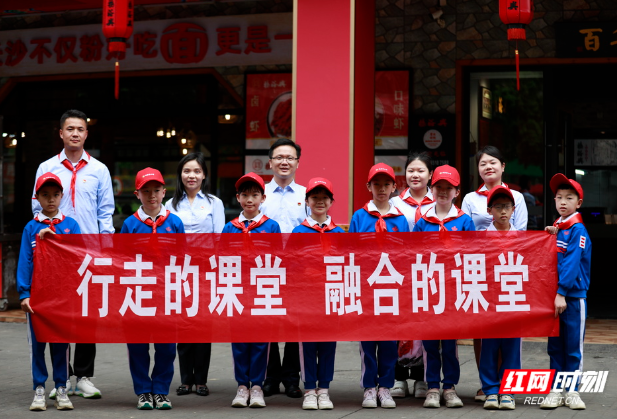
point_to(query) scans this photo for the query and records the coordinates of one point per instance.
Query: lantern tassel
(518, 80)
(117, 81)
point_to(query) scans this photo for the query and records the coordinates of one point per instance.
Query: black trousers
(287, 372)
(83, 361)
(194, 361)
(403, 373)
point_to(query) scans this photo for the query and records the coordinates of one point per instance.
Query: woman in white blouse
(200, 212)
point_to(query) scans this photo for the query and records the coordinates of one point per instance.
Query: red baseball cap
(381, 168)
(561, 179)
(499, 190)
(146, 175)
(319, 182)
(251, 177)
(48, 178)
(447, 173)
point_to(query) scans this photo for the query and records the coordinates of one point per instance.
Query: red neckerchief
(485, 193)
(74, 170)
(567, 224)
(252, 225)
(316, 227)
(154, 224)
(51, 223)
(441, 223)
(412, 202)
(380, 225)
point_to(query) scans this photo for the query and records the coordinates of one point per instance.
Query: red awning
(17, 7)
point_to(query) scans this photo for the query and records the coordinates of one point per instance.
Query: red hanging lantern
(117, 28)
(515, 14)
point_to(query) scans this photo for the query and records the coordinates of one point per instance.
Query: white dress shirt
(314, 223)
(202, 216)
(286, 205)
(256, 219)
(408, 211)
(475, 205)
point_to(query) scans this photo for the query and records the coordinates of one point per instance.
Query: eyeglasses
(287, 158)
(501, 207)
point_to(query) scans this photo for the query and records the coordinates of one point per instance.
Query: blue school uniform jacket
(265, 225)
(364, 222)
(305, 227)
(172, 224)
(573, 258)
(457, 220)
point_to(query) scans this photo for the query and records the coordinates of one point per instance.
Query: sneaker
(370, 398)
(257, 397)
(451, 398)
(162, 402)
(145, 402)
(491, 402)
(480, 396)
(419, 389)
(385, 398)
(86, 389)
(400, 390)
(310, 400)
(574, 402)
(432, 398)
(552, 400)
(69, 390)
(323, 399)
(39, 403)
(62, 399)
(242, 397)
(507, 402)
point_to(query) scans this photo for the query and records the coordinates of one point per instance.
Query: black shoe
(202, 390)
(269, 389)
(183, 390)
(293, 391)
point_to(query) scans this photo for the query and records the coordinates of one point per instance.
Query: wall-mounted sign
(436, 135)
(585, 39)
(391, 109)
(595, 152)
(487, 103)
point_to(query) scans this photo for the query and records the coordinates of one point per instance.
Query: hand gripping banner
(293, 287)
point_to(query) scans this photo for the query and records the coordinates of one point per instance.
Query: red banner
(293, 287)
(391, 109)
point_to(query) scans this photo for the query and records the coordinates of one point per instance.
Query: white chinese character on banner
(230, 275)
(398, 123)
(511, 274)
(173, 288)
(469, 288)
(255, 101)
(254, 126)
(282, 83)
(393, 277)
(268, 277)
(423, 277)
(398, 95)
(266, 84)
(398, 109)
(335, 292)
(593, 381)
(82, 290)
(566, 380)
(539, 380)
(136, 304)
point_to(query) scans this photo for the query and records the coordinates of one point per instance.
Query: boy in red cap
(573, 267)
(443, 216)
(317, 358)
(250, 359)
(48, 191)
(152, 217)
(379, 215)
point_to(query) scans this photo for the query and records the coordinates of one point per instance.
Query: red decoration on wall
(117, 27)
(515, 14)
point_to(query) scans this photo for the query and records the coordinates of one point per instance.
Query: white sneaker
(451, 398)
(400, 390)
(385, 398)
(491, 402)
(552, 400)
(310, 400)
(242, 397)
(257, 397)
(574, 402)
(69, 390)
(145, 401)
(39, 403)
(86, 389)
(323, 399)
(506, 402)
(370, 398)
(419, 389)
(432, 398)
(62, 400)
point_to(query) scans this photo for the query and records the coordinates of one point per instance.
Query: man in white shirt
(89, 199)
(285, 204)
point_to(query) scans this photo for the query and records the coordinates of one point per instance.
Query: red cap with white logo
(319, 182)
(381, 168)
(560, 179)
(251, 177)
(447, 173)
(48, 178)
(146, 175)
(499, 190)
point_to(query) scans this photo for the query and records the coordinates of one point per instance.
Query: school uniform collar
(392, 210)
(143, 216)
(452, 213)
(257, 218)
(407, 194)
(41, 217)
(491, 227)
(313, 223)
(291, 187)
(84, 156)
(560, 220)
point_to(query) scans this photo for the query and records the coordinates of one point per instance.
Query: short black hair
(284, 141)
(500, 195)
(423, 156)
(491, 151)
(72, 113)
(319, 189)
(249, 186)
(567, 186)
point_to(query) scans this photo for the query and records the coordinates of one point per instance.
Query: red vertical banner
(391, 109)
(268, 109)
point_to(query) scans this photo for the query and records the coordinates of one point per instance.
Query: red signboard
(391, 109)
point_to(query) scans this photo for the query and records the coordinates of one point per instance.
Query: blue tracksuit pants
(436, 360)
(317, 364)
(490, 372)
(250, 363)
(59, 360)
(566, 350)
(162, 373)
(378, 361)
